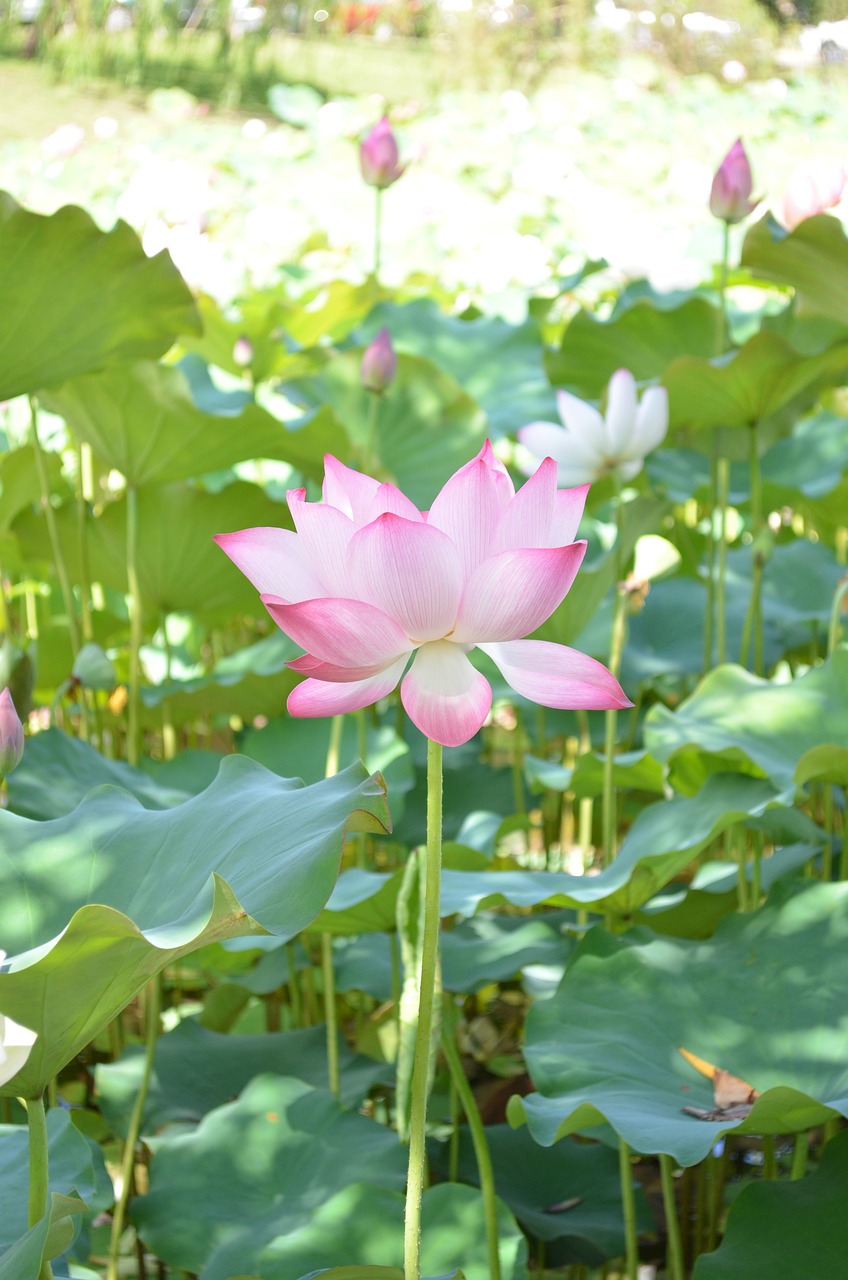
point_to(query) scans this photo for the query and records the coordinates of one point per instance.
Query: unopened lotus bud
(379, 363)
(730, 197)
(378, 156)
(243, 352)
(11, 735)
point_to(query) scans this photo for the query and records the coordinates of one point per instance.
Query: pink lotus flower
(379, 363)
(378, 156)
(368, 581)
(730, 196)
(812, 188)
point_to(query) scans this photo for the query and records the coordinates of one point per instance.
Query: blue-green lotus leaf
(94, 904)
(764, 999)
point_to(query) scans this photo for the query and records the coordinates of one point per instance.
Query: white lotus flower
(590, 445)
(15, 1044)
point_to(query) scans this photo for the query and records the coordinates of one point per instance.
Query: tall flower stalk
(367, 583)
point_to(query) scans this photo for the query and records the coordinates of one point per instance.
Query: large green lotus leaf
(47, 1239)
(19, 483)
(94, 904)
(77, 298)
(476, 952)
(426, 426)
(812, 459)
(258, 1168)
(694, 910)
(664, 839)
(747, 386)
(196, 1070)
(57, 771)
(142, 419)
(180, 568)
(633, 770)
(291, 746)
(364, 1223)
(534, 1180)
(249, 683)
(497, 363)
(75, 1164)
(787, 1230)
(813, 259)
(765, 999)
(772, 724)
(643, 337)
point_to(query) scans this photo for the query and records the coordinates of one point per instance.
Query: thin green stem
(169, 737)
(769, 1157)
(834, 630)
(754, 614)
(38, 1159)
(517, 763)
(478, 1136)
(128, 1164)
(135, 612)
(724, 339)
(369, 453)
(722, 492)
(674, 1260)
(333, 750)
(330, 1013)
(628, 1205)
(426, 999)
(378, 231)
(294, 986)
(709, 609)
(619, 624)
(53, 530)
(756, 869)
(799, 1156)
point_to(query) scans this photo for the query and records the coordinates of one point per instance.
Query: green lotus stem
(39, 1188)
(754, 614)
(709, 608)
(834, 630)
(769, 1158)
(52, 529)
(135, 611)
(369, 452)
(517, 765)
(152, 1003)
(756, 867)
(478, 1136)
(426, 1000)
(361, 839)
(700, 1210)
(294, 986)
(628, 1205)
(394, 946)
(586, 806)
(330, 1013)
(333, 750)
(724, 339)
(619, 623)
(799, 1156)
(722, 491)
(83, 491)
(378, 231)
(453, 1141)
(674, 1260)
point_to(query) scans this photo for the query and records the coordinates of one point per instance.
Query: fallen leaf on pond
(733, 1097)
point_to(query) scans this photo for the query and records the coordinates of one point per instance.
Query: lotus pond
(425, 727)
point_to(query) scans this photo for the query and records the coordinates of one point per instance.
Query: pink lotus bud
(242, 352)
(730, 197)
(11, 735)
(378, 156)
(379, 363)
(811, 189)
